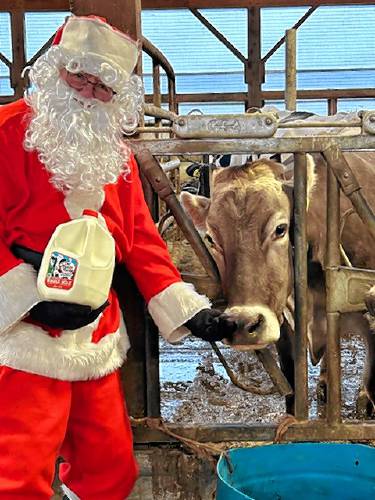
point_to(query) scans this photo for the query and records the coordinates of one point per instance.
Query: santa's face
(87, 86)
(77, 127)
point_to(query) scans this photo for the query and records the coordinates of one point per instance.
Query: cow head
(246, 227)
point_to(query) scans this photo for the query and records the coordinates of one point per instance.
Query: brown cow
(246, 225)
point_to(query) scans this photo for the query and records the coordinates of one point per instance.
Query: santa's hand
(211, 325)
(65, 316)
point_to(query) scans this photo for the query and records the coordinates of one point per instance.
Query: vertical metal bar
(152, 368)
(151, 336)
(172, 96)
(156, 90)
(333, 334)
(291, 70)
(332, 106)
(300, 286)
(134, 370)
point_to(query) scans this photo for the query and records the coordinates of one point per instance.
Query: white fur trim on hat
(94, 46)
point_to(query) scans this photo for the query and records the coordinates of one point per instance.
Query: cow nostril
(253, 327)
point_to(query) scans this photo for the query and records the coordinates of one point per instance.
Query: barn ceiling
(32, 5)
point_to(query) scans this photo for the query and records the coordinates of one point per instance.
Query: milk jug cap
(88, 211)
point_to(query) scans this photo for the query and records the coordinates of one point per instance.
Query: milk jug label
(61, 271)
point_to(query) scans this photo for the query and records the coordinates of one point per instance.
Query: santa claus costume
(60, 391)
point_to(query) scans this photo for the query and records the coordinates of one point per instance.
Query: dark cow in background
(246, 226)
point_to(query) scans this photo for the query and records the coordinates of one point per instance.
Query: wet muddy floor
(196, 389)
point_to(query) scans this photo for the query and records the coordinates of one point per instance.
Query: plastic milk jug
(78, 263)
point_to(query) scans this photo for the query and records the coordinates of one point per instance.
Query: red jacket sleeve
(148, 259)
(171, 302)
(18, 291)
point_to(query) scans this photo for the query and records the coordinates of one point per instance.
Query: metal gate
(345, 286)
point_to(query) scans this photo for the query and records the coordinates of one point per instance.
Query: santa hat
(91, 45)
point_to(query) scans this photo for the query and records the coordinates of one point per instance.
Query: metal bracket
(346, 288)
(258, 124)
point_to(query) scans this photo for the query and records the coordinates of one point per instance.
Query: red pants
(84, 422)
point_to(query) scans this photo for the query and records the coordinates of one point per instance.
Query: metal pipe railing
(300, 286)
(161, 185)
(333, 335)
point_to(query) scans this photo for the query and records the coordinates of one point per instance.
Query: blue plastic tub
(298, 471)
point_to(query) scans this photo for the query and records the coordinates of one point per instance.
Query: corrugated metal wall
(336, 48)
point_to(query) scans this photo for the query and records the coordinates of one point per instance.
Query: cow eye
(209, 239)
(281, 231)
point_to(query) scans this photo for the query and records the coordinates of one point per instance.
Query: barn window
(334, 51)
(39, 27)
(6, 50)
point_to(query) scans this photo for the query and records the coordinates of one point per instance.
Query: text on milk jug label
(61, 271)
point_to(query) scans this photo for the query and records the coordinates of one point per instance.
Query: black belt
(29, 256)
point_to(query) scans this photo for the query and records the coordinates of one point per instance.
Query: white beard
(78, 140)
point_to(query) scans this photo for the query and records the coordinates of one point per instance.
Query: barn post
(141, 370)
(17, 17)
(254, 70)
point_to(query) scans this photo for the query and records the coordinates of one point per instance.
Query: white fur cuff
(18, 294)
(69, 493)
(175, 305)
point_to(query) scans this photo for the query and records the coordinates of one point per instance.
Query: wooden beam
(51, 5)
(33, 5)
(123, 14)
(218, 35)
(254, 68)
(271, 95)
(18, 50)
(217, 4)
(282, 39)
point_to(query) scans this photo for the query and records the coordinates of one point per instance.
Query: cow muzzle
(258, 327)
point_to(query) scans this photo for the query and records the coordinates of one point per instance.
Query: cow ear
(311, 177)
(197, 208)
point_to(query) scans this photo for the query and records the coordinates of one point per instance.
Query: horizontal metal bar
(321, 124)
(151, 110)
(313, 430)
(154, 130)
(270, 145)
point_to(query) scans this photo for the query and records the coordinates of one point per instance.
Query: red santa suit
(61, 393)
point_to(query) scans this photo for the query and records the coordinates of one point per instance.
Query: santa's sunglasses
(80, 80)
